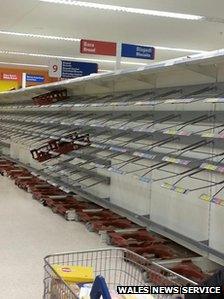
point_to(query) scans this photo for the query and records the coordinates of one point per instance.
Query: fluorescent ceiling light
(127, 9)
(179, 49)
(40, 36)
(24, 64)
(72, 39)
(105, 71)
(6, 52)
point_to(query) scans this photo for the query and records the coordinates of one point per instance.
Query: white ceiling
(33, 16)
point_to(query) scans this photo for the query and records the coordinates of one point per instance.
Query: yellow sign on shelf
(208, 135)
(180, 190)
(208, 166)
(167, 186)
(206, 197)
(170, 132)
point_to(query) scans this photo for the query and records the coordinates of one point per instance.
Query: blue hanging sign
(135, 51)
(35, 78)
(73, 69)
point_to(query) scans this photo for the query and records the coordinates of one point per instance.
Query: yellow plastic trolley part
(74, 274)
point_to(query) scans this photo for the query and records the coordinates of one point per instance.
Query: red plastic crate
(78, 206)
(38, 185)
(155, 277)
(14, 174)
(185, 268)
(160, 251)
(103, 214)
(54, 202)
(63, 145)
(137, 237)
(108, 225)
(46, 192)
(6, 162)
(42, 153)
(25, 182)
(50, 97)
(188, 269)
(6, 167)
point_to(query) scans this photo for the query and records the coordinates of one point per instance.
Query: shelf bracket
(151, 80)
(205, 70)
(106, 85)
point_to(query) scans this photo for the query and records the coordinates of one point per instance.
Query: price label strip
(144, 179)
(213, 199)
(210, 167)
(180, 190)
(174, 188)
(220, 169)
(167, 186)
(115, 104)
(142, 103)
(176, 161)
(100, 126)
(208, 135)
(119, 171)
(124, 127)
(142, 68)
(221, 201)
(218, 200)
(70, 105)
(80, 105)
(220, 135)
(97, 105)
(101, 146)
(123, 104)
(146, 103)
(173, 101)
(144, 155)
(116, 170)
(206, 197)
(170, 132)
(100, 165)
(184, 133)
(176, 132)
(179, 101)
(142, 129)
(214, 100)
(149, 130)
(118, 149)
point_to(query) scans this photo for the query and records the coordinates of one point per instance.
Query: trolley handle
(99, 288)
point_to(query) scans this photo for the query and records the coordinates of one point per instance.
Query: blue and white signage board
(72, 69)
(139, 52)
(67, 69)
(35, 78)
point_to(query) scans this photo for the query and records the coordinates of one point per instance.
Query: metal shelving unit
(161, 139)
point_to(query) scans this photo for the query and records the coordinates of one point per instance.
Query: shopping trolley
(117, 265)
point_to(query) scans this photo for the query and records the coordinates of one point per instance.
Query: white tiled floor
(28, 232)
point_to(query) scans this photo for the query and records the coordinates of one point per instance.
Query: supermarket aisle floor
(29, 232)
